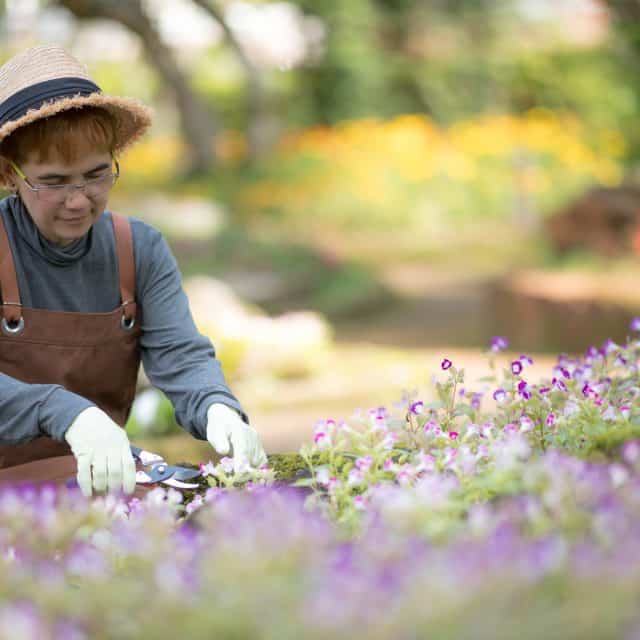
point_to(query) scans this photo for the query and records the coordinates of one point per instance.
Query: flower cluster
(375, 173)
(449, 515)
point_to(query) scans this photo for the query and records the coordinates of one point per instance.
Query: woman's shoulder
(145, 236)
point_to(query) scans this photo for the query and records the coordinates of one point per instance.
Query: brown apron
(95, 355)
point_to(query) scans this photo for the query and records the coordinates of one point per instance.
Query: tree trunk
(256, 102)
(197, 123)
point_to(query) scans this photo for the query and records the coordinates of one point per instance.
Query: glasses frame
(65, 189)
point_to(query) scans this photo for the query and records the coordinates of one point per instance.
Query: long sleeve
(32, 410)
(177, 359)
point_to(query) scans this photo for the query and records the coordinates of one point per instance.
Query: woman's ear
(7, 175)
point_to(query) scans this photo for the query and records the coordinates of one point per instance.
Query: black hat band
(39, 94)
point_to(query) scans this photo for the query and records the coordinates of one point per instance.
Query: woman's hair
(65, 136)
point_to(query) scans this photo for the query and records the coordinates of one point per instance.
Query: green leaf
(303, 482)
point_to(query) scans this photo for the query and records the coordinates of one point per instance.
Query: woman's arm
(177, 359)
(28, 411)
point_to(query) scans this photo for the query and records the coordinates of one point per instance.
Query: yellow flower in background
(153, 159)
(377, 172)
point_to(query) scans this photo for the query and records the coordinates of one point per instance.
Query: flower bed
(507, 510)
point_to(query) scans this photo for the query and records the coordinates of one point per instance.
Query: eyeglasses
(92, 188)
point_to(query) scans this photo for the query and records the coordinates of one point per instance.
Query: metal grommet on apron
(128, 320)
(10, 328)
(95, 355)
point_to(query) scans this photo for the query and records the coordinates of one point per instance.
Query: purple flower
(525, 360)
(593, 353)
(499, 395)
(516, 367)
(417, 408)
(446, 364)
(475, 401)
(526, 424)
(551, 419)
(635, 324)
(631, 451)
(523, 390)
(620, 361)
(559, 385)
(499, 343)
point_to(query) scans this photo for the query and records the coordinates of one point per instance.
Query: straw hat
(46, 80)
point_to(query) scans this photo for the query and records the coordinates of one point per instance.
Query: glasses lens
(99, 186)
(92, 189)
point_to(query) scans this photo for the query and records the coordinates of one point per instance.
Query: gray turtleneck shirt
(82, 277)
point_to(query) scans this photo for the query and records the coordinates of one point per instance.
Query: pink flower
(355, 477)
(227, 464)
(322, 476)
(453, 435)
(360, 503)
(450, 456)
(483, 451)
(364, 464)
(429, 425)
(207, 469)
(389, 441)
(446, 364)
(526, 424)
(631, 451)
(486, 430)
(405, 474)
(322, 438)
(426, 462)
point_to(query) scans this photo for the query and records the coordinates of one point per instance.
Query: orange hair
(65, 136)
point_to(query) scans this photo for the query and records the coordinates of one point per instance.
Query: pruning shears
(156, 469)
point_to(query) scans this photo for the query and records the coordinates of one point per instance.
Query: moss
(288, 467)
(608, 444)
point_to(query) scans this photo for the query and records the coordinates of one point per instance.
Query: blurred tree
(255, 82)
(386, 57)
(198, 123)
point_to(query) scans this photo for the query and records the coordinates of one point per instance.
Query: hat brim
(131, 117)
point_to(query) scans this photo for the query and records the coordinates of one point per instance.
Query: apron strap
(11, 304)
(126, 266)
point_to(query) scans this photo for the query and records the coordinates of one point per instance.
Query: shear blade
(172, 482)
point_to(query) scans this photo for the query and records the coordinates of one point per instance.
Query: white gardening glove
(103, 453)
(225, 429)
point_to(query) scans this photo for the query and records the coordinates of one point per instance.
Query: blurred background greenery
(354, 189)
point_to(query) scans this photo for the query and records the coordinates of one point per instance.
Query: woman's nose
(76, 197)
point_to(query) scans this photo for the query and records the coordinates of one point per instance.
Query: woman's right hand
(103, 453)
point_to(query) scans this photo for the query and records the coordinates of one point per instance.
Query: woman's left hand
(226, 430)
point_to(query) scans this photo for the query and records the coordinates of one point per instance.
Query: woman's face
(64, 216)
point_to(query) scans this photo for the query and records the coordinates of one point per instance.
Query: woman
(87, 294)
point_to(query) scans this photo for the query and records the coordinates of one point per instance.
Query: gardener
(87, 293)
